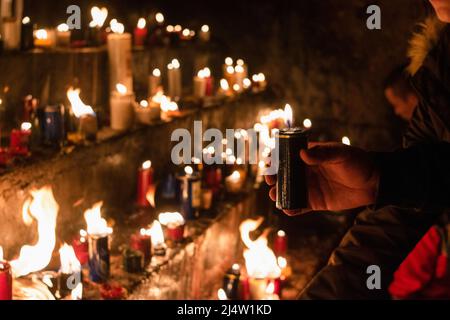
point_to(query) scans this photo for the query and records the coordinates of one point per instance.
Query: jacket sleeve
(417, 270)
(416, 177)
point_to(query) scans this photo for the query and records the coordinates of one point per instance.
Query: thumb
(324, 154)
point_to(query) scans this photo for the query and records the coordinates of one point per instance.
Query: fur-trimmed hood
(423, 42)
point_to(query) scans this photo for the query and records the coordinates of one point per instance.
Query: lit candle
(70, 271)
(146, 113)
(144, 182)
(270, 292)
(122, 111)
(169, 108)
(224, 88)
(20, 139)
(174, 224)
(85, 115)
(27, 39)
(142, 242)
(6, 281)
(228, 70)
(96, 33)
(154, 82)
(280, 244)
(63, 35)
(140, 33)
(231, 282)
(205, 33)
(234, 182)
(119, 54)
(43, 38)
(99, 244)
(174, 79)
(200, 84)
(190, 193)
(157, 236)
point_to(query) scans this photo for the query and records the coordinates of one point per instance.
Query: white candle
(121, 104)
(174, 79)
(120, 58)
(154, 82)
(200, 84)
(63, 35)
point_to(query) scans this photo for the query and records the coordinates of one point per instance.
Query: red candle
(175, 232)
(81, 247)
(142, 242)
(19, 139)
(5, 279)
(145, 180)
(280, 244)
(140, 33)
(209, 87)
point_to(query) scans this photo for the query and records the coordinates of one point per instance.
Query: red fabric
(424, 273)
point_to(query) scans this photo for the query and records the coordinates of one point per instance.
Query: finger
(325, 154)
(273, 194)
(270, 180)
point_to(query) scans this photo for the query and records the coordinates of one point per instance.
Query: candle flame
(188, 170)
(170, 28)
(43, 208)
(288, 115)
(122, 89)
(77, 293)
(239, 69)
(224, 85)
(175, 64)
(25, 126)
(282, 262)
(78, 107)
(156, 72)
(98, 16)
(96, 225)
(172, 219)
(159, 17)
(346, 140)
(307, 123)
(240, 62)
(221, 294)
(230, 69)
(228, 61)
(167, 105)
(270, 289)
(281, 233)
(247, 83)
(178, 28)
(117, 27)
(143, 103)
(146, 165)
(186, 32)
(63, 27)
(235, 175)
(204, 73)
(156, 233)
(41, 34)
(260, 260)
(205, 28)
(141, 23)
(26, 20)
(69, 261)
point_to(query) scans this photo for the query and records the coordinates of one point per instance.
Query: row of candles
(124, 110)
(147, 31)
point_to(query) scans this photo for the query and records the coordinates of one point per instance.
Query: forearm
(417, 177)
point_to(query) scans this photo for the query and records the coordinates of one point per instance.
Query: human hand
(339, 177)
